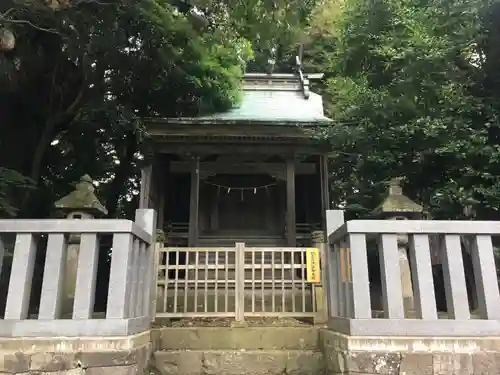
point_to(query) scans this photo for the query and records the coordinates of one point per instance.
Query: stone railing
(350, 281)
(131, 277)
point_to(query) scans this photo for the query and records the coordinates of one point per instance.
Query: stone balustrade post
(334, 219)
(396, 206)
(81, 203)
(146, 219)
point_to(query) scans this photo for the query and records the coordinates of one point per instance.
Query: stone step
(237, 350)
(238, 362)
(301, 351)
(231, 338)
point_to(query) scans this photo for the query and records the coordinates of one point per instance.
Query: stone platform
(314, 351)
(75, 356)
(410, 355)
(244, 350)
(241, 350)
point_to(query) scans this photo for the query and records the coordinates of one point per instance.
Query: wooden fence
(235, 282)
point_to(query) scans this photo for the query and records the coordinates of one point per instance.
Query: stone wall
(68, 356)
(409, 356)
(252, 351)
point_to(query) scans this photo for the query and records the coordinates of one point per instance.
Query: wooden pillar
(194, 202)
(290, 203)
(325, 186)
(214, 211)
(162, 193)
(146, 174)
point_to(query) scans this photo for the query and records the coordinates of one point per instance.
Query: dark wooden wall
(221, 210)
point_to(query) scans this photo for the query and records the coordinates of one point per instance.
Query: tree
(413, 92)
(83, 74)
(268, 25)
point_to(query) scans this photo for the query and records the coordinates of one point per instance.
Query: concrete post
(52, 286)
(81, 203)
(146, 219)
(398, 206)
(483, 262)
(405, 274)
(23, 264)
(71, 268)
(120, 276)
(86, 277)
(334, 219)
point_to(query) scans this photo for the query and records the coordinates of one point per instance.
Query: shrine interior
(241, 198)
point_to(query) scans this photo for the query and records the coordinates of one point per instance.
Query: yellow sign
(345, 264)
(313, 265)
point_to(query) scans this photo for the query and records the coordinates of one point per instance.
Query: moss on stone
(396, 201)
(83, 198)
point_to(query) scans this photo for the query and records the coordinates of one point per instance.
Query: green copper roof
(275, 106)
(272, 98)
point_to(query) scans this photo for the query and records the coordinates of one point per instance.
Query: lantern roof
(82, 198)
(397, 202)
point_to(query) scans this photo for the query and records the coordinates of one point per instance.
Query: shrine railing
(466, 271)
(33, 256)
(235, 282)
(181, 230)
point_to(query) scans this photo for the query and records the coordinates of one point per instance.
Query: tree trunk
(123, 171)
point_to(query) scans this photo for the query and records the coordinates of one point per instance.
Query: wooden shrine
(254, 174)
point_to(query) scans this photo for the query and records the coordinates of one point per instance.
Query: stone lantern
(398, 206)
(81, 203)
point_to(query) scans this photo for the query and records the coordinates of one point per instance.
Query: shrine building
(254, 174)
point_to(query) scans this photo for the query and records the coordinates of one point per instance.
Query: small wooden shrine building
(254, 174)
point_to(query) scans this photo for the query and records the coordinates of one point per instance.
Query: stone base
(74, 356)
(236, 338)
(346, 355)
(237, 351)
(237, 362)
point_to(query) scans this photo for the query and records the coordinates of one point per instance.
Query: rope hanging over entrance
(241, 189)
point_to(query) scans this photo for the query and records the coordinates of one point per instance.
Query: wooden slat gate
(234, 282)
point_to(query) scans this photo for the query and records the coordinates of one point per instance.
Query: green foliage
(11, 182)
(83, 75)
(267, 24)
(413, 93)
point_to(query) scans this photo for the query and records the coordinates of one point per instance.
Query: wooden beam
(235, 148)
(243, 168)
(157, 130)
(194, 202)
(291, 230)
